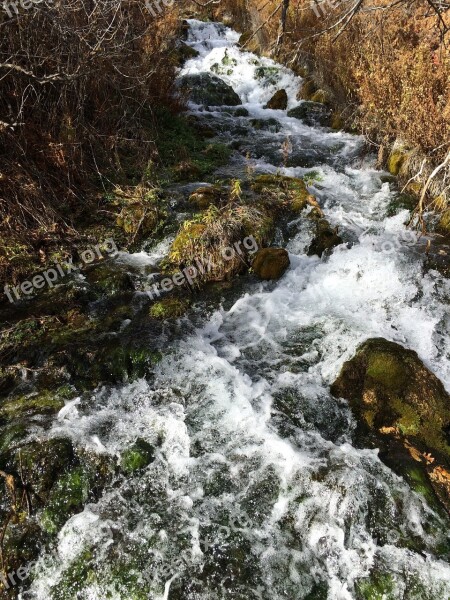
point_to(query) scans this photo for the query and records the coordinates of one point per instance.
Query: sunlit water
(256, 490)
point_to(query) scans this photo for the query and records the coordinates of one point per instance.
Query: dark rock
(184, 53)
(325, 238)
(311, 113)
(208, 90)
(266, 124)
(270, 263)
(278, 101)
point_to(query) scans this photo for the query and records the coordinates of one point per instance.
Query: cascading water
(256, 490)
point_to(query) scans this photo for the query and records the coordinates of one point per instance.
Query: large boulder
(208, 90)
(270, 263)
(279, 101)
(394, 396)
(311, 113)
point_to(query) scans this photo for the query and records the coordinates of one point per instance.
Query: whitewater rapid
(257, 490)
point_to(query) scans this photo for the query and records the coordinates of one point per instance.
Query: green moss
(39, 403)
(68, 495)
(139, 456)
(420, 484)
(396, 161)
(409, 420)
(168, 308)
(377, 587)
(76, 577)
(386, 370)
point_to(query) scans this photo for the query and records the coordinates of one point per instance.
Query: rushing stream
(256, 489)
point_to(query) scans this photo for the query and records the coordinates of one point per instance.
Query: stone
(311, 113)
(270, 263)
(208, 90)
(278, 101)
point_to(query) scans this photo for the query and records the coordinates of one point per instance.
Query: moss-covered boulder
(444, 223)
(396, 397)
(311, 113)
(208, 90)
(279, 101)
(325, 238)
(204, 196)
(290, 192)
(270, 263)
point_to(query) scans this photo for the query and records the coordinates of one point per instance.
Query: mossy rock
(379, 586)
(42, 403)
(168, 308)
(241, 111)
(67, 497)
(266, 125)
(137, 457)
(203, 196)
(270, 263)
(279, 101)
(394, 395)
(208, 90)
(396, 161)
(325, 238)
(307, 90)
(290, 191)
(184, 52)
(311, 113)
(108, 278)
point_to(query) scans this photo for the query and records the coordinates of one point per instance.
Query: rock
(184, 52)
(325, 238)
(270, 263)
(205, 196)
(169, 308)
(278, 101)
(241, 112)
(137, 457)
(396, 397)
(266, 124)
(311, 113)
(208, 90)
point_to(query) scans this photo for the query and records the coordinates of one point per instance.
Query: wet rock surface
(208, 90)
